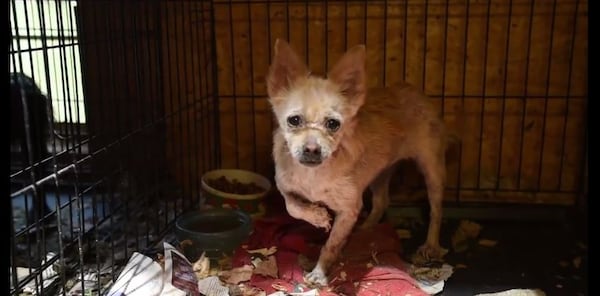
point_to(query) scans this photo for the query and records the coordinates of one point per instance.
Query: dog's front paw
(319, 217)
(316, 277)
(429, 254)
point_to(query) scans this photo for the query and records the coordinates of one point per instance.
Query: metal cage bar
(108, 191)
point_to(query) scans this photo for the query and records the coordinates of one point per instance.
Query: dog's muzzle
(311, 155)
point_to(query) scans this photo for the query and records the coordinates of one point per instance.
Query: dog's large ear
(349, 74)
(285, 68)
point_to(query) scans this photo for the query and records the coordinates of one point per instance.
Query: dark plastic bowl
(216, 231)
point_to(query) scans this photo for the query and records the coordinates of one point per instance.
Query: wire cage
(118, 107)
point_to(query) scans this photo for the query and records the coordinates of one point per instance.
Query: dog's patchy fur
(333, 142)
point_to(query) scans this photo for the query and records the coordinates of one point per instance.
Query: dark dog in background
(24, 91)
(23, 88)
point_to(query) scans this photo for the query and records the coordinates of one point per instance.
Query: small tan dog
(332, 143)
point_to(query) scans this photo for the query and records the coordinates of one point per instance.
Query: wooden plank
(316, 40)
(374, 44)
(394, 45)
(574, 141)
(518, 49)
(496, 56)
(435, 22)
(261, 47)
(336, 29)
(224, 49)
(470, 142)
(574, 150)
(225, 71)
(297, 14)
(579, 71)
(540, 48)
(263, 117)
(561, 48)
(245, 128)
(415, 50)
(228, 143)
(490, 142)
(531, 146)
(552, 154)
(511, 144)
(455, 48)
(355, 24)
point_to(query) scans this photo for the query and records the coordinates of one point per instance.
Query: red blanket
(368, 265)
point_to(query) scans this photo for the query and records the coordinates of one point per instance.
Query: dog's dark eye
(332, 124)
(294, 121)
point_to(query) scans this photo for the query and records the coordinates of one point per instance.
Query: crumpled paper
(430, 279)
(516, 292)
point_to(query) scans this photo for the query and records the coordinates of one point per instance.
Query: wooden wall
(510, 78)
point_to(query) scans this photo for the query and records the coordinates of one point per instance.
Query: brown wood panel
(261, 56)
(415, 44)
(224, 48)
(453, 117)
(475, 52)
(261, 45)
(574, 145)
(297, 15)
(245, 128)
(394, 43)
(560, 61)
(435, 22)
(496, 56)
(317, 50)
(355, 23)
(511, 143)
(489, 147)
(574, 155)
(470, 138)
(540, 49)
(225, 62)
(375, 26)
(579, 71)
(336, 29)
(551, 153)
(455, 48)
(518, 49)
(532, 142)
(334, 34)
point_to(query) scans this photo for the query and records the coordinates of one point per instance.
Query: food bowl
(214, 231)
(236, 189)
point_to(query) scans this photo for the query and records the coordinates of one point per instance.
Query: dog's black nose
(311, 154)
(312, 151)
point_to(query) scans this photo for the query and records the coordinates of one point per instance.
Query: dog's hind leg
(432, 165)
(380, 188)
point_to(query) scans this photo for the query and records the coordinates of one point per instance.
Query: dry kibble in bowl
(234, 186)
